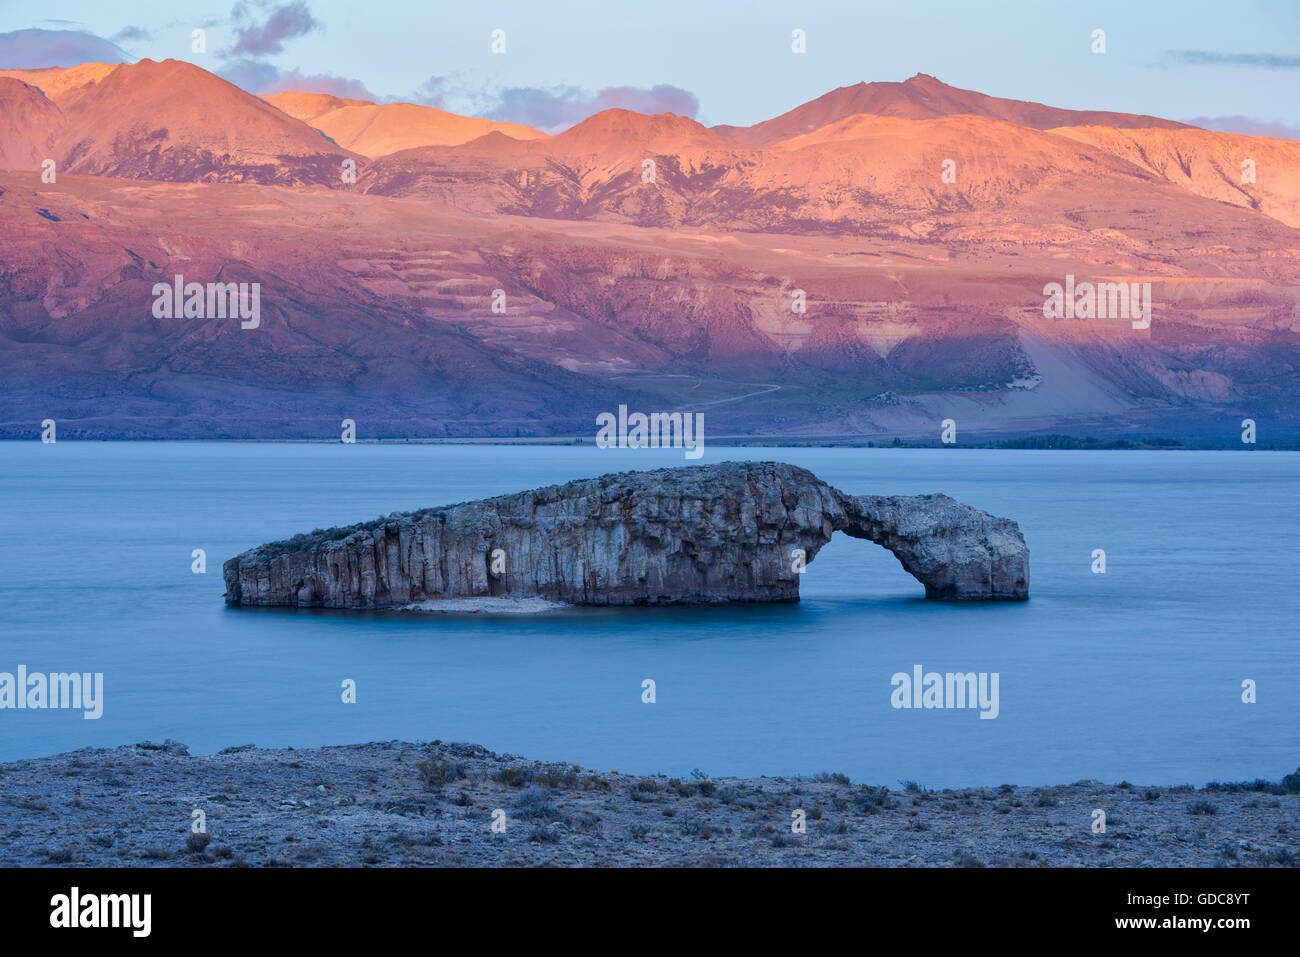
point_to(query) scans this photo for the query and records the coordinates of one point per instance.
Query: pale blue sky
(1183, 60)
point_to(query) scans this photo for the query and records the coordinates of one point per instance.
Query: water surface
(1135, 674)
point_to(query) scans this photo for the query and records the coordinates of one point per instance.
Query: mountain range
(862, 266)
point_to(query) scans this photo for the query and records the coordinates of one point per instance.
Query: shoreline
(435, 804)
(484, 605)
(727, 442)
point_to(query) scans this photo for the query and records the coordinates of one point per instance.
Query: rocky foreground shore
(435, 804)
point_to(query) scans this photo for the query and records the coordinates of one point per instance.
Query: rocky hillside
(433, 805)
(840, 273)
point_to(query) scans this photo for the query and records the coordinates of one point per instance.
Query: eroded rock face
(956, 551)
(695, 535)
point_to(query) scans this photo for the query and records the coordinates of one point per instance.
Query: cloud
(34, 49)
(259, 37)
(552, 108)
(319, 83)
(1247, 126)
(661, 98)
(545, 109)
(261, 29)
(1259, 61)
(444, 92)
(132, 34)
(259, 76)
(255, 76)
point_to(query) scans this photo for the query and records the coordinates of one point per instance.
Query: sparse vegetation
(438, 774)
(833, 777)
(363, 806)
(534, 803)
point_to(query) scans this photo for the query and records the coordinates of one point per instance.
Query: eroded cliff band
(733, 532)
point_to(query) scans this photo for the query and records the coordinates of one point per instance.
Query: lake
(1133, 674)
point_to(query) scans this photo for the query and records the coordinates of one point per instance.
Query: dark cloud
(442, 92)
(34, 49)
(259, 76)
(545, 109)
(661, 98)
(1247, 126)
(132, 34)
(255, 76)
(261, 29)
(319, 83)
(1260, 61)
(553, 108)
(260, 33)
(263, 26)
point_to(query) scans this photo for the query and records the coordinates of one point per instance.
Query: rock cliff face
(695, 535)
(954, 550)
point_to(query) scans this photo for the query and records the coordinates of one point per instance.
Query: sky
(1232, 66)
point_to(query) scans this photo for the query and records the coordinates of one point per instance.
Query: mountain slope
(78, 335)
(865, 174)
(870, 276)
(57, 81)
(174, 121)
(377, 129)
(29, 123)
(308, 106)
(596, 169)
(1250, 171)
(385, 311)
(924, 97)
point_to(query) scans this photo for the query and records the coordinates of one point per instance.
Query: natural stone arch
(693, 535)
(958, 552)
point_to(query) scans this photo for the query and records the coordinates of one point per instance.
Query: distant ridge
(172, 121)
(378, 129)
(924, 97)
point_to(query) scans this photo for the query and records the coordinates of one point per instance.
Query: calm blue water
(1133, 674)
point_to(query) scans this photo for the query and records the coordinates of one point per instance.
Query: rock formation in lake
(693, 535)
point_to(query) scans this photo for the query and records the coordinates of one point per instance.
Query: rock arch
(692, 535)
(958, 552)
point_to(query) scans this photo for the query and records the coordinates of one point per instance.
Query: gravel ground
(398, 804)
